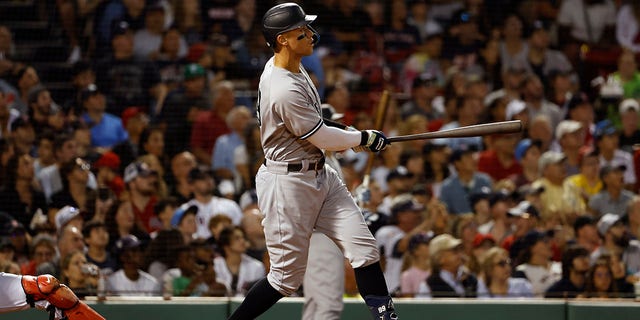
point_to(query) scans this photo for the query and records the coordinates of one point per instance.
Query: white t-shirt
(600, 16)
(541, 278)
(250, 271)
(214, 207)
(146, 285)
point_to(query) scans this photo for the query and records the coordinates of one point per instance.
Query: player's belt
(298, 166)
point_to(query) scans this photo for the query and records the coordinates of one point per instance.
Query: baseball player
(42, 292)
(296, 191)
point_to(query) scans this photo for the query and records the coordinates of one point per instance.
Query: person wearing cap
(613, 198)
(569, 140)
(222, 158)
(586, 234)
(424, 91)
(499, 160)
(534, 262)
(209, 125)
(525, 219)
(125, 80)
(556, 203)
(393, 239)
(629, 110)
(527, 153)
(82, 75)
(457, 188)
(398, 181)
(185, 221)
(141, 182)
(131, 280)
(106, 129)
(68, 216)
(587, 182)
(533, 94)
(419, 270)
(449, 277)
(181, 107)
(107, 171)
(202, 185)
(608, 144)
(617, 240)
(575, 264)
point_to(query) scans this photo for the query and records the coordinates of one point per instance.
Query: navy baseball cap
(406, 203)
(89, 91)
(128, 242)
(119, 27)
(604, 128)
(199, 174)
(398, 173)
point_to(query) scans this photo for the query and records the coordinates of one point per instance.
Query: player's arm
(334, 139)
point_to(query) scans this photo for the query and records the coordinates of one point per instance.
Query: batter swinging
(296, 191)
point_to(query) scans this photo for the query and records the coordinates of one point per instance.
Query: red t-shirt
(206, 130)
(147, 216)
(488, 163)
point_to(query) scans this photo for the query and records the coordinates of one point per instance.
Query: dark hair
(612, 291)
(146, 134)
(224, 239)
(406, 155)
(60, 140)
(164, 203)
(89, 226)
(164, 248)
(571, 253)
(11, 173)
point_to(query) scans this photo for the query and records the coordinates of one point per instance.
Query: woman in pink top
(417, 258)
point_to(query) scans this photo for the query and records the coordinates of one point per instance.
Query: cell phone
(104, 193)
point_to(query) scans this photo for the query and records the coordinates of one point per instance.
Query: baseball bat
(380, 115)
(466, 131)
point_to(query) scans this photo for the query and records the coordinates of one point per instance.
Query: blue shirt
(223, 151)
(456, 196)
(108, 132)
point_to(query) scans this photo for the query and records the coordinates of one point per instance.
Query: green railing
(354, 309)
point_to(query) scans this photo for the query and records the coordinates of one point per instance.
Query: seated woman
(235, 269)
(78, 275)
(496, 280)
(600, 282)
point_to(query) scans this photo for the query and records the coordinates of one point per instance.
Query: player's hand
(374, 140)
(44, 305)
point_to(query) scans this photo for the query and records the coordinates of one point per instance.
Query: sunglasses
(504, 262)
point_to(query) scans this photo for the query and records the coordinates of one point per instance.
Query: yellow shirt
(579, 189)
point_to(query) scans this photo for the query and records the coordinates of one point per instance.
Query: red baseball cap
(108, 160)
(129, 113)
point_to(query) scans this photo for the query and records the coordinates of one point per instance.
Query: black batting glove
(374, 140)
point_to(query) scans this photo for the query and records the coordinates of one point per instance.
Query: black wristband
(364, 138)
(331, 123)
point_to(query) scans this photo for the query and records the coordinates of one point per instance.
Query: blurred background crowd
(129, 144)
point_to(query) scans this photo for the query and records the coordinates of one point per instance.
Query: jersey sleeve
(298, 114)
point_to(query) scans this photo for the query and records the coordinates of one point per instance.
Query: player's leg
(324, 280)
(341, 220)
(287, 201)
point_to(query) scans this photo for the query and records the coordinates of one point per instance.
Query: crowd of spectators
(140, 181)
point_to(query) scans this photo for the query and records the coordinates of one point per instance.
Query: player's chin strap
(46, 292)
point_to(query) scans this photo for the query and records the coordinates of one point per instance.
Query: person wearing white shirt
(202, 186)
(537, 266)
(130, 280)
(236, 270)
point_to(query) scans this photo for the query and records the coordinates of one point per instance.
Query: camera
(104, 193)
(90, 269)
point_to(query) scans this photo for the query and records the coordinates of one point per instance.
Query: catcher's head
(286, 17)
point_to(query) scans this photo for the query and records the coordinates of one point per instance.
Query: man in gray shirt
(613, 198)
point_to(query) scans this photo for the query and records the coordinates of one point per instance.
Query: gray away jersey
(289, 112)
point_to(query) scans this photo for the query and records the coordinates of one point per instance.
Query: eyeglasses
(603, 275)
(504, 262)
